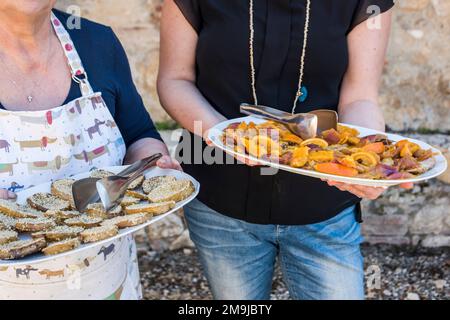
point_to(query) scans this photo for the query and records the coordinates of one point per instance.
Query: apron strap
(79, 75)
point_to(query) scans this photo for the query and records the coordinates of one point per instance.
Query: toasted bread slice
(128, 201)
(34, 225)
(59, 215)
(58, 233)
(136, 194)
(136, 183)
(61, 246)
(7, 236)
(21, 248)
(14, 210)
(130, 220)
(7, 222)
(97, 210)
(84, 221)
(153, 208)
(115, 212)
(8, 208)
(99, 173)
(46, 201)
(173, 191)
(99, 233)
(149, 184)
(63, 190)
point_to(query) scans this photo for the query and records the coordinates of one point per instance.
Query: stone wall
(417, 216)
(136, 23)
(416, 85)
(415, 97)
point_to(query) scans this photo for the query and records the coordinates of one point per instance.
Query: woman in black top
(205, 74)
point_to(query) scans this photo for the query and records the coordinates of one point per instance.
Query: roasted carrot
(336, 169)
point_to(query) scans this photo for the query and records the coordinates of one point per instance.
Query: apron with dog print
(42, 146)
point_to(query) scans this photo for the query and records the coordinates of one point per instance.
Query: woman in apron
(100, 122)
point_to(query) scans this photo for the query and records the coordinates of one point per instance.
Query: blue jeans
(318, 261)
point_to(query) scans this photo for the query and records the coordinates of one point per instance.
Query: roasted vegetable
(321, 156)
(336, 169)
(365, 158)
(315, 141)
(339, 152)
(331, 136)
(300, 157)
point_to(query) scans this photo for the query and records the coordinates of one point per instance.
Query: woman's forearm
(144, 148)
(177, 89)
(362, 113)
(185, 103)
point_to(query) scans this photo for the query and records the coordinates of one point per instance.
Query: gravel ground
(405, 273)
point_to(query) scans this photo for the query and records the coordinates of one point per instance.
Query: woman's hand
(364, 192)
(7, 195)
(147, 147)
(166, 162)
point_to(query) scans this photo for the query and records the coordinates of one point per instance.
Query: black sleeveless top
(223, 77)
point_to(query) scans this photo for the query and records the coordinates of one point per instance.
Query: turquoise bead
(304, 95)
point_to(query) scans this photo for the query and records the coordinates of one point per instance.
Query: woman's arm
(176, 79)
(7, 195)
(177, 90)
(144, 148)
(358, 103)
(147, 147)
(140, 134)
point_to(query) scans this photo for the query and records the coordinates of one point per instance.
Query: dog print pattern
(63, 142)
(42, 146)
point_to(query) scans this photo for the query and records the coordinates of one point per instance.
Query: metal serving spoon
(85, 191)
(305, 125)
(327, 119)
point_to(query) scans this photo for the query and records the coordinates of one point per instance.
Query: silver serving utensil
(85, 192)
(112, 189)
(328, 119)
(301, 124)
(305, 125)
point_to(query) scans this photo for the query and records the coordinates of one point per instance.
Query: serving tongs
(109, 190)
(305, 125)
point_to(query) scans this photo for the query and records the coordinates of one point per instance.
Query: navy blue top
(108, 69)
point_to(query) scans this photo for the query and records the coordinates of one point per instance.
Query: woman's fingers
(209, 142)
(6, 194)
(239, 158)
(247, 161)
(409, 185)
(3, 194)
(370, 193)
(363, 192)
(167, 162)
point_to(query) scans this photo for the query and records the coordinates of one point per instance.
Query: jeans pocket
(342, 229)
